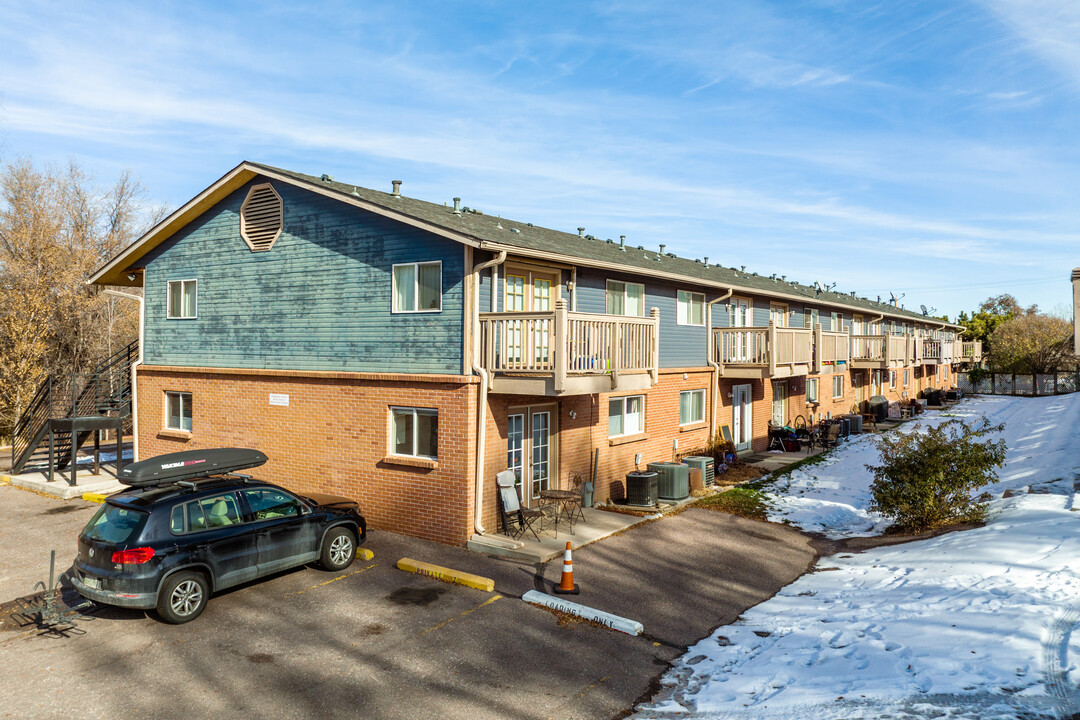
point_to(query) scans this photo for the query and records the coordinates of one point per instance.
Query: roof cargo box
(189, 465)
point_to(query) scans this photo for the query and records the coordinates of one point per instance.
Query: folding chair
(516, 520)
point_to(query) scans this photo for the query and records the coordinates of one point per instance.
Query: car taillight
(135, 556)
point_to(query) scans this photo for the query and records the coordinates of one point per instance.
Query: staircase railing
(106, 389)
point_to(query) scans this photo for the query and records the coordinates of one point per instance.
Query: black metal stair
(73, 407)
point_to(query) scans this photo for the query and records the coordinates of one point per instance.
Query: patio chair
(832, 435)
(516, 520)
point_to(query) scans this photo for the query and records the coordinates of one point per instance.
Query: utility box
(672, 481)
(706, 465)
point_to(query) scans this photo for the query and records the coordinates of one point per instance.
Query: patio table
(566, 503)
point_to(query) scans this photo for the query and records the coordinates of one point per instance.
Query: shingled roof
(496, 233)
(488, 229)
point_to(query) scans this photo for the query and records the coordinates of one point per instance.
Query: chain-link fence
(1020, 384)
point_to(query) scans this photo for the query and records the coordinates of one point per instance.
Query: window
(415, 432)
(892, 379)
(810, 319)
(625, 298)
(181, 302)
(515, 446)
(626, 415)
(907, 376)
(836, 323)
(178, 408)
(837, 386)
(778, 314)
(811, 390)
(268, 504)
(417, 287)
(691, 308)
(210, 512)
(691, 407)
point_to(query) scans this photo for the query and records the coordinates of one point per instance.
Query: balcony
(968, 351)
(882, 352)
(763, 352)
(569, 353)
(930, 352)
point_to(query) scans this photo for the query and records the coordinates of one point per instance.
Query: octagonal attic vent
(261, 217)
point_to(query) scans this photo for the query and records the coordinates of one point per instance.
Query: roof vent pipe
(397, 188)
(706, 261)
(457, 206)
(662, 246)
(622, 243)
(581, 232)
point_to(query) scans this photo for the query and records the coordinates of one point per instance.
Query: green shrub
(927, 477)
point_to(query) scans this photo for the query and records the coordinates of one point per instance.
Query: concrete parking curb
(446, 574)
(364, 554)
(5, 479)
(94, 497)
(615, 622)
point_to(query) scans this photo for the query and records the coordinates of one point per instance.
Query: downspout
(137, 363)
(481, 410)
(712, 361)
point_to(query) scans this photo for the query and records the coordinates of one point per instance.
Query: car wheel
(338, 549)
(183, 597)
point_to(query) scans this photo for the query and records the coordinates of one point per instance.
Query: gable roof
(489, 232)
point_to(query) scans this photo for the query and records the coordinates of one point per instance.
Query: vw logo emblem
(91, 552)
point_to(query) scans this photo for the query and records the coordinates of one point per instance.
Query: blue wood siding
(680, 345)
(318, 300)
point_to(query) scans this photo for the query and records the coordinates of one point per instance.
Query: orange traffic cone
(566, 586)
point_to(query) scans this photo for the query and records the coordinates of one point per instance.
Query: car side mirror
(304, 509)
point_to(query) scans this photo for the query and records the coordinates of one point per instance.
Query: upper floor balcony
(569, 353)
(967, 351)
(882, 352)
(776, 352)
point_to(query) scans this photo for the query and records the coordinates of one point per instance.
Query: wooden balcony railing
(882, 351)
(762, 350)
(564, 344)
(870, 348)
(830, 348)
(969, 351)
(930, 351)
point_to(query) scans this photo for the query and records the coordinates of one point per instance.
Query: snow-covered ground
(974, 624)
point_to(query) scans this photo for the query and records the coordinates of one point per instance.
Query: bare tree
(56, 228)
(1033, 344)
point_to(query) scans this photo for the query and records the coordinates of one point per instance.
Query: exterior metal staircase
(68, 409)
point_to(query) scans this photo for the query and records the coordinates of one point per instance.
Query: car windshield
(114, 524)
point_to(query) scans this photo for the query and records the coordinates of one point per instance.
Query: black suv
(190, 526)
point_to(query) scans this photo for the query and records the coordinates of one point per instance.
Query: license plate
(91, 582)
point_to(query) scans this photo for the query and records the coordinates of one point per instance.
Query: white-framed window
(178, 411)
(907, 376)
(691, 407)
(690, 308)
(836, 323)
(810, 318)
(892, 379)
(181, 300)
(625, 298)
(626, 415)
(415, 432)
(837, 386)
(417, 287)
(778, 314)
(811, 390)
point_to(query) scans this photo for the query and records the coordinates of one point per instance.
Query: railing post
(770, 347)
(851, 342)
(817, 348)
(561, 345)
(885, 338)
(654, 371)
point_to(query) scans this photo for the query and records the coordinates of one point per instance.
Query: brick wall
(583, 427)
(333, 437)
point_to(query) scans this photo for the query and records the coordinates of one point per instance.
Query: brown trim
(676, 371)
(696, 426)
(322, 374)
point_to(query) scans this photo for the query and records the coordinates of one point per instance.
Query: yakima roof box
(188, 465)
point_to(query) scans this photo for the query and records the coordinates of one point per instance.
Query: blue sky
(926, 148)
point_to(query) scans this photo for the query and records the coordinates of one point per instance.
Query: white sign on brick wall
(279, 399)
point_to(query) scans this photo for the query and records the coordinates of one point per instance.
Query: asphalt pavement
(375, 642)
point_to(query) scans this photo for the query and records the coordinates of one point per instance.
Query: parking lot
(376, 642)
